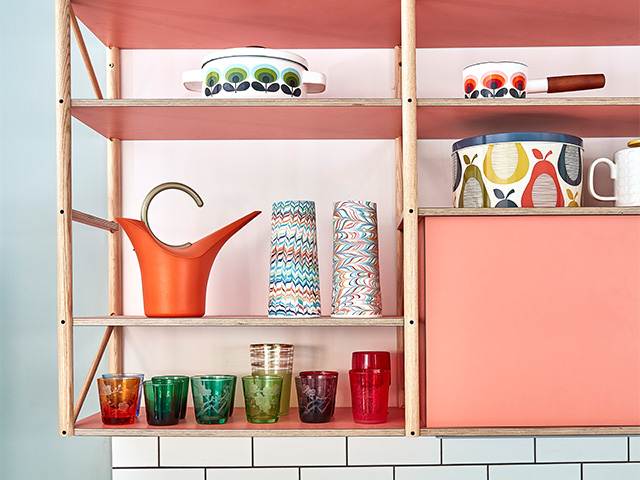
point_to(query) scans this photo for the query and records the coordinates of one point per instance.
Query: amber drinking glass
(118, 399)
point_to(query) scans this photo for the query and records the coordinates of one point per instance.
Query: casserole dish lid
(254, 52)
(517, 137)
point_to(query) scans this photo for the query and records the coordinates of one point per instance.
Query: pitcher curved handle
(612, 169)
(167, 186)
(316, 82)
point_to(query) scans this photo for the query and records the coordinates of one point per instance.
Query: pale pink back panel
(533, 321)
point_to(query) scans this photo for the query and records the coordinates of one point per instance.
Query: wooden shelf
(340, 24)
(342, 425)
(205, 119)
(583, 117)
(543, 23)
(274, 24)
(503, 212)
(211, 321)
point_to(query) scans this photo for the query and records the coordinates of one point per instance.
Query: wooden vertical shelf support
(410, 216)
(114, 182)
(399, 237)
(63, 186)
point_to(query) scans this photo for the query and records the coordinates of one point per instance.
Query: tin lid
(254, 52)
(517, 137)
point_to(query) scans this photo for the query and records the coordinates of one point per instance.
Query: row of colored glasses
(266, 392)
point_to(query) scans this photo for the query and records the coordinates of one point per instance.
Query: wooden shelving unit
(199, 24)
(329, 24)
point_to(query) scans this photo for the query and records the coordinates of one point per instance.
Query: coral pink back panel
(533, 321)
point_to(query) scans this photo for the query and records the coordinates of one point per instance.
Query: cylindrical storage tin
(526, 169)
(356, 271)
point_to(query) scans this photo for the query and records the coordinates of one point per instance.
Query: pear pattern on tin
(505, 163)
(504, 199)
(543, 189)
(570, 165)
(474, 193)
(457, 171)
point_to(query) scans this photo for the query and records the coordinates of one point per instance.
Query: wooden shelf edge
(515, 212)
(147, 432)
(217, 103)
(341, 425)
(249, 321)
(525, 102)
(529, 431)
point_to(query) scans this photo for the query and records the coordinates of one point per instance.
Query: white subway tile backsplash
(347, 473)
(252, 474)
(158, 474)
(134, 451)
(304, 451)
(581, 449)
(205, 452)
(487, 450)
(611, 471)
(634, 449)
(535, 472)
(449, 472)
(393, 451)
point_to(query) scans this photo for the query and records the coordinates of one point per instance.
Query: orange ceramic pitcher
(174, 278)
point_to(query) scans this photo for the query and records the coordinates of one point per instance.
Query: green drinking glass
(262, 397)
(162, 404)
(212, 397)
(183, 382)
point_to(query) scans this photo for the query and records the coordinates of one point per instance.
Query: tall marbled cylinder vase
(356, 270)
(294, 282)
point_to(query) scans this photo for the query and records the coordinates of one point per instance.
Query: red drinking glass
(369, 395)
(366, 360)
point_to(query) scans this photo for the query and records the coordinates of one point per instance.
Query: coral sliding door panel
(532, 321)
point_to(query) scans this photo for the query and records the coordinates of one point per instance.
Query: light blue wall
(30, 445)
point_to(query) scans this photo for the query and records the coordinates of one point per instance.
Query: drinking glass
(369, 395)
(316, 395)
(262, 397)
(162, 403)
(274, 359)
(212, 397)
(118, 399)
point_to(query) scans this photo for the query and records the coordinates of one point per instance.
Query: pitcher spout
(174, 280)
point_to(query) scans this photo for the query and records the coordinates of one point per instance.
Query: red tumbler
(369, 394)
(366, 360)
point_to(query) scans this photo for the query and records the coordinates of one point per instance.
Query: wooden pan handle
(571, 83)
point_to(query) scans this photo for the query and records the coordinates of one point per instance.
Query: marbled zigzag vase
(294, 281)
(356, 271)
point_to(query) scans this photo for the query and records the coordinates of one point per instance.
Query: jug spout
(174, 280)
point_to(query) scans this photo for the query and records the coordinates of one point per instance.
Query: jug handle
(167, 186)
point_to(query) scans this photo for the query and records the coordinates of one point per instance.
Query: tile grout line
(346, 448)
